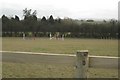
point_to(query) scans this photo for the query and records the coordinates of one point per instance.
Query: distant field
(100, 47)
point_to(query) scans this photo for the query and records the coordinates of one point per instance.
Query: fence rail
(103, 62)
(93, 61)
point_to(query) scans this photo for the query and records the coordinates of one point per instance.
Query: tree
(17, 18)
(28, 15)
(26, 12)
(43, 19)
(30, 20)
(5, 24)
(34, 13)
(4, 19)
(90, 20)
(51, 19)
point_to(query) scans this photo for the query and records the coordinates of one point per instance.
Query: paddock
(34, 68)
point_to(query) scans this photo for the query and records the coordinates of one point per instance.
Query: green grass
(40, 70)
(68, 46)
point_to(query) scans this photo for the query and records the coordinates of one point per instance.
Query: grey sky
(76, 9)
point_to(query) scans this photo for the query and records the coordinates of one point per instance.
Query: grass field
(40, 70)
(68, 46)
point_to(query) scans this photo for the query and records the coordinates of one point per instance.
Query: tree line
(14, 27)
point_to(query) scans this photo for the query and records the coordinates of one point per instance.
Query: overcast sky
(76, 9)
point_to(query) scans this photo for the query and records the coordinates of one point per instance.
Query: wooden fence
(81, 61)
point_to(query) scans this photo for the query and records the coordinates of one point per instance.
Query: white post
(23, 36)
(50, 36)
(63, 37)
(81, 63)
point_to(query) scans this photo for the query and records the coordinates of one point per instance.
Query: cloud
(63, 8)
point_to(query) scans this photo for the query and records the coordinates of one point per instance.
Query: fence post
(81, 63)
